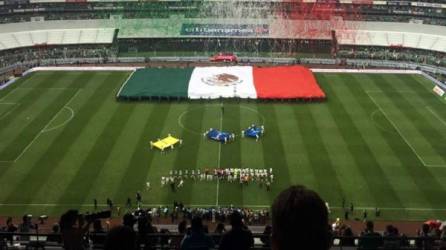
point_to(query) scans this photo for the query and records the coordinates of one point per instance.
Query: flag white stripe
(224, 82)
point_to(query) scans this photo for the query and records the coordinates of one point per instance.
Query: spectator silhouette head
(68, 219)
(128, 220)
(266, 236)
(120, 238)
(236, 219)
(299, 220)
(425, 229)
(56, 228)
(97, 226)
(9, 221)
(369, 227)
(197, 224)
(348, 232)
(220, 228)
(182, 227)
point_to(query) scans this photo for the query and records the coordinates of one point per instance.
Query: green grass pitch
(378, 141)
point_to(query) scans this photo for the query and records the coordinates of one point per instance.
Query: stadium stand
(401, 11)
(92, 14)
(164, 227)
(399, 32)
(56, 37)
(426, 37)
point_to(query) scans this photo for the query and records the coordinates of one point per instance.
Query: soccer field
(378, 141)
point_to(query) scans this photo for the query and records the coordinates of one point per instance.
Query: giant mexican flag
(284, 82)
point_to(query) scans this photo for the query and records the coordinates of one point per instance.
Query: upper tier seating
(416, 36)
(56, 37)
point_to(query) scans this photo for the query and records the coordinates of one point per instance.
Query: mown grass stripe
(51, 159)
(30, 97)
(365, 160)
(423, 101)
(231, 193)
(120, 156)
(142, 157)
(162, 163)
(413, 114)
(273, 151)
(79, 146)
(104, 119)
(422, 177)
(328, 183)
(22, 139)
(251, 154)
(296, 152)
(381, 137)
(23, 136)
(187, 155)
(207, 155)
(350, 177)
(93, 163)
(4, 93)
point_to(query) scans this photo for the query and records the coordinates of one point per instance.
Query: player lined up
(241, 175)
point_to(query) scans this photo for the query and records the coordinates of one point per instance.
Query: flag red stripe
(286, 82)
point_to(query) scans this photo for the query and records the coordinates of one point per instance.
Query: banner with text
(224, 30)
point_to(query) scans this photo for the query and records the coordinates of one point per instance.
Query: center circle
(214, 114)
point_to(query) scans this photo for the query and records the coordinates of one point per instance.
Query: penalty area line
(436, 115)
(72, 113)
(5, 163)
(403, 137)
(45, 127)
(14, 106)
(10, 92)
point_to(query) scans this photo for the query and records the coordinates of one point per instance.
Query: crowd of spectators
(60, 11)
(299, 220)
(48, 16)
(81, 15)
(179, 212)
(430, 236)
(395, 54)
(11, 57)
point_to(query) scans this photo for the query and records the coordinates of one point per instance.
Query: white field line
(395, 208)
(125, 83)
(15, 105)
(210, 205)
(436, 115)
(12, 91)
(372, 117)
(29, 145)
(43, 88)
(63, 123)
(180, 117)
(403, 137)
(444, 123)
(219, 154)
(45, 128)
(368, 71)
(396, 91)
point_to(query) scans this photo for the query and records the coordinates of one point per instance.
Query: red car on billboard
(223, 57)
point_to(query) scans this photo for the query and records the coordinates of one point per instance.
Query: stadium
(144, 117)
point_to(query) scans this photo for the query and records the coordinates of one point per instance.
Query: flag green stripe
(155, 82)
